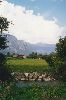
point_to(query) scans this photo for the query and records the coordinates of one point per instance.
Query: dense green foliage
(61, 52)
(61, 48)
(4, 72)
(57, 60)
(53, 60)
(4, 24)
(37, 91)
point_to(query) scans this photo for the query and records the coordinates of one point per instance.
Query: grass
(27, 65)
(52, 91)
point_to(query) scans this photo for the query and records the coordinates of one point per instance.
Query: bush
(61, 72)
(2, 58)
(4, 72)
(57, 66)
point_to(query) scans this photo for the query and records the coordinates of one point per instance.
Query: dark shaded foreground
(33, 91)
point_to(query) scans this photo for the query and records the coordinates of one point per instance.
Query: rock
(13, 74)
(47, 79)
(26, 74)
(23, 79)
(32, 76)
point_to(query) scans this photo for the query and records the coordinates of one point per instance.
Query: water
(31, 83)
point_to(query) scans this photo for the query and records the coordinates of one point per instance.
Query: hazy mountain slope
(22, 47)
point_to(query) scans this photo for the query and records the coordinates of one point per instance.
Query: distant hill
(22, 47)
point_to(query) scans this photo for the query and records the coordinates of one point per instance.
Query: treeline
(35, 55)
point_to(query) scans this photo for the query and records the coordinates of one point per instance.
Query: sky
(35, 21)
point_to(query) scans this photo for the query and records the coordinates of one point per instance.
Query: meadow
(27, 65)
(52, 90)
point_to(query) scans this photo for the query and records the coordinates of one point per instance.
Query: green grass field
(27, 65)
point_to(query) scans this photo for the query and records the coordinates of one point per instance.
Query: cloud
(30, 27)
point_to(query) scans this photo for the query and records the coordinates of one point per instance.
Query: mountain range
(22, 47)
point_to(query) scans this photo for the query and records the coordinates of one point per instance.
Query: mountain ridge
(22, 47)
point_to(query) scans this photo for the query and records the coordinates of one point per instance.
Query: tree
(61, 48)
(4, 24)
(8, 54)
(4, 73)
(54, 62)
(61, 52)
(39, 56)
(33, 55)
(3, 41)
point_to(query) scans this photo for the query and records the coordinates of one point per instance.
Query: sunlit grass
(32, 62)
(27, 65)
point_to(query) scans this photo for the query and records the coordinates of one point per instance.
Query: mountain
(22, 47)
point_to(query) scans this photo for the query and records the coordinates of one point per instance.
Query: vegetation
(27, 65)
(57, 60)
(4, 73)
(4, 24)
(41, 91)
(35, 55)
(61, 48)
(53, 90)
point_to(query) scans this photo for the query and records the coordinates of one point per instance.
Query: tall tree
(4, 24)
(4, 73)
(61, 48)
(61, 51)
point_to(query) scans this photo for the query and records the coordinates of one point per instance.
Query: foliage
(40, 56)
(2, 59)
(53, 60)
(4, 24)
(61, 48)
(57, 61)
(8, 54)
(61, 52)
(33, 55)
(36, 91)
(3, 41)
(61, 72)
(4, 72)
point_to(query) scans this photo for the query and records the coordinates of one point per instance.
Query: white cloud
(30, 27)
